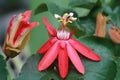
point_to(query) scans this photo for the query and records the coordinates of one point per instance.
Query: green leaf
(114, 3)
(54, 8)
(82, 12)
(117, 60)
(116, 10)
(41, 8)
(60, 8)
(86, 25)
(115, 17)
(107, 9)
(83, 3)
(29, 71)
(3, 70)
(100, 70)
(82, 7)
(60, 3)
(48, 6)
(117, 50)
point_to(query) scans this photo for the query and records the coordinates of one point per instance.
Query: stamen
(57, 16)
(66, 18)
(71, 14)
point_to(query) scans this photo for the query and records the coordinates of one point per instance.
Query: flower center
(63, 34)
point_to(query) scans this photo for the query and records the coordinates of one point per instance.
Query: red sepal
(49, 57)
(50, 28)
(63, 60)
(74, 57)
(85, 51)
(47, 45)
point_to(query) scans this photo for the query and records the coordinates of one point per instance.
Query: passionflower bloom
(18, 34)
(100, 26)
(114, 34)
(62, 45)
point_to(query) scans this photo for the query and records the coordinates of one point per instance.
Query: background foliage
(86, 11)
(3, 70)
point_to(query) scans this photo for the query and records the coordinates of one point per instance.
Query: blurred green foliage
(85, 11)
(3, 70)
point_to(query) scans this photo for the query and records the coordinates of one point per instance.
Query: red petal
(33, 24)
(74, 57)
(21, 27)
(85, 51)
(50, 28)
(49, 57)
(26, 15)
(63, 60)
(10, 25)
(24, 24)
(47, 45)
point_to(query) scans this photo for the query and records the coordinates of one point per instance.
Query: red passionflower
(62, 45)
(18, 34)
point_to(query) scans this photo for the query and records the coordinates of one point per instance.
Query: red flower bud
(100, 25)
(18, 34)
(114, 34)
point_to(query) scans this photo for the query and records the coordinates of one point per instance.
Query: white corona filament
(63, 35)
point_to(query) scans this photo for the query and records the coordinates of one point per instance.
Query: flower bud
(100, 25)
(114, 34)
(18, 34)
